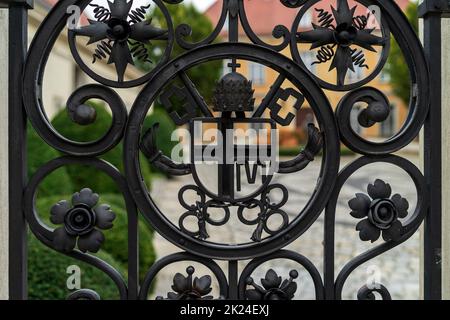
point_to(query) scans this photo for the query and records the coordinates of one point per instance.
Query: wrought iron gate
(341, 32)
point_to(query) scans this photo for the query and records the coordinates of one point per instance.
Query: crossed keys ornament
(233, 98)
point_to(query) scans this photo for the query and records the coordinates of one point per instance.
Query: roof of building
(264, 15)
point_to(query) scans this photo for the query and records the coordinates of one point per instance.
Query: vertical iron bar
(328, 250)
(226, 170)
(433, 160)
(233, 280)
(233, 21)
(18, 23)
(233, 28)
(133, 255)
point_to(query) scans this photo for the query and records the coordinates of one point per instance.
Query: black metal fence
(339, 36)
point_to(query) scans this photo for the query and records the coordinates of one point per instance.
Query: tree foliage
(39, 153)
(396, 66)
(205, 75)
(84, 176)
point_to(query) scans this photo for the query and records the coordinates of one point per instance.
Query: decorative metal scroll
(341, 36)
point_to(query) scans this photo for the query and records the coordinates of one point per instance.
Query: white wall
(4, 210)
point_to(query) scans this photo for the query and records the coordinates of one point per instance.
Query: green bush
(84, 176)
(47, 274)
(117, 237)
(40, 153)
(47, 268)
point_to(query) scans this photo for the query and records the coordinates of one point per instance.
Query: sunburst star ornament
(341, 32)
(117, 29)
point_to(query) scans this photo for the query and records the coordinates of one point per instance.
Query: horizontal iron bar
(8, 3)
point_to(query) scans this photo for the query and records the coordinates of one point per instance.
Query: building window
(257, 73)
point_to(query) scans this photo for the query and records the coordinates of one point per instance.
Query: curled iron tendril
(185, 30)
(366, 293)
(375, 109)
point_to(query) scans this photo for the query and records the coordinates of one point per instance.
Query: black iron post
(432, 12)
(18, 23)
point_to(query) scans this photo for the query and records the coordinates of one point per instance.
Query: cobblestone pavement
(397, 269)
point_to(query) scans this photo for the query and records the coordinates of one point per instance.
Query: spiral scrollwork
(184, 30)
(377, 110)
(368, 293)
(84, 114)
